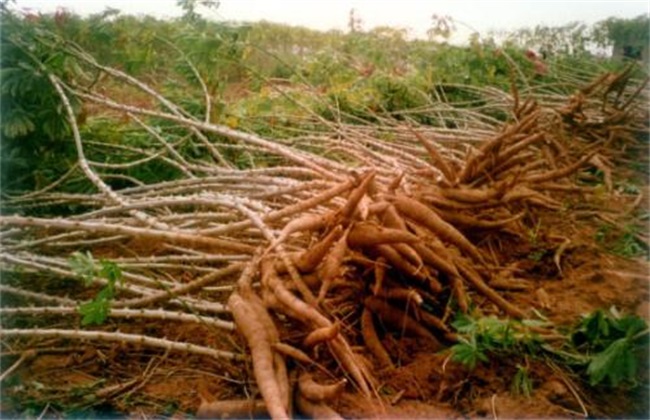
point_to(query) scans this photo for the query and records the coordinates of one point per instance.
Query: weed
(521, 382)
(612, 342)
(537, 255)
(625, 244)
(491, 335)
(605, 346)
(538, 251)
(96, 310)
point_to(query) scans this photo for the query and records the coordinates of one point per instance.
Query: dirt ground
(425, 383)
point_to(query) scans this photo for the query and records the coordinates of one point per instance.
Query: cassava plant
(323, 265)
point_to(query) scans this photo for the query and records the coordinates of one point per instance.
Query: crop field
(210, 220)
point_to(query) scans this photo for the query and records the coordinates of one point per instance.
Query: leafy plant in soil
(96, 310)
(522, 384)
(483, 337)
(613, 343)
(605, 346)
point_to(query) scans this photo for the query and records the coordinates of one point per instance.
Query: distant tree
(441, 27)
(572, 39)
(628, 37)
(189, 8)
(354, 22)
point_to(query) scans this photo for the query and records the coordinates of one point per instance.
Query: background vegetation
(246, 67)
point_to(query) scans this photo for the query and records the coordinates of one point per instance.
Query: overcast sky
(412, 14)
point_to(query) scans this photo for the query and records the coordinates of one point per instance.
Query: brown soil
(425, 383)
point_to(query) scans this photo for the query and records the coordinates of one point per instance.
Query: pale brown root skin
(470, 195)
(368, 234)
(436, 158)
(317, 411)
(507, 154)
(392, 219)
(399, 262)
(468, 222)
(380, 274)
(436, 199)
(300, 310)
(316, 392)
(308, 222)
(260, 346)
(371, 338)
(471, 166)
(232, 409)
(410, 254)
(420, 213)
(293, 352)
(559, 173)
(435, 322)
(321, 335)
(477, 282)
(297, 307)
(398, 319)
(341, 350)
(355, 196)
(394, 184)
(378, 208)
(282, 377)
(458, 290)
(435, 259)
(332, 266)
(311, 258)
(402, 294)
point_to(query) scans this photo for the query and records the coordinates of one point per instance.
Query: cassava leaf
(83, 265)
(96, 311)
(111, 272)
(468, 353)
(616, 363)
(464, 324)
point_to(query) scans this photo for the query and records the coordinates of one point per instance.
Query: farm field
(213, 220)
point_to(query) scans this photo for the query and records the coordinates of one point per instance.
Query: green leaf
(630, 325)
(111, 272)
(83, 265)
(96, 311)
(600, 329)
(521, 382)
(616, 363)
(468, 353)
(463, 324)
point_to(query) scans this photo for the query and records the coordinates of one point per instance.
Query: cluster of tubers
(402, 251)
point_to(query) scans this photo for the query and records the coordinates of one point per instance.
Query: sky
(414, 15)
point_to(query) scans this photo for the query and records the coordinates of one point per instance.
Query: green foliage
(357, 75)
(570, 39)
(606, 347)
(613, 343)
(521, 382)
(33, 138)
(616, 363)
(625, 244)
(468, 352)
(84, 266)
(96, 311)
(623, 32)
(483, 336)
